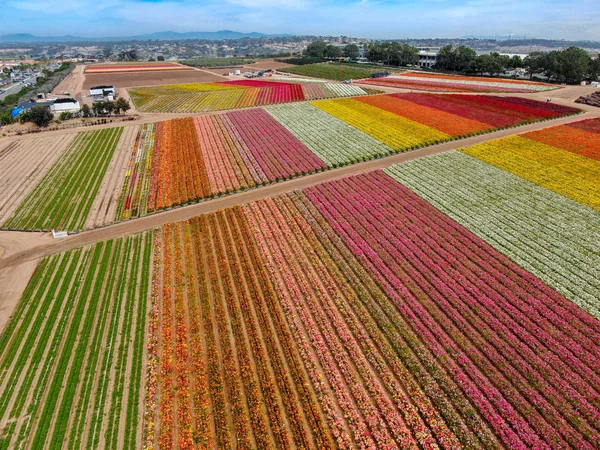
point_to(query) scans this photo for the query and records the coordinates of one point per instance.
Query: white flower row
(553, 237)
(344, 90)
(458, 81)
(331, 139)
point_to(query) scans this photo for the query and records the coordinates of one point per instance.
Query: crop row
(134, 194)
(568, 168)
(383, 322)
(23, 164)
(248, 371)
(71, 356)
(235, 94)
(63, 198)
(192, 159)
(467, 300)
(454, 83)
(553, 237)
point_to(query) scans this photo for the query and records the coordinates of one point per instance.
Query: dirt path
(73, 84)
(14, 279)
(187, 212)
(105, 203)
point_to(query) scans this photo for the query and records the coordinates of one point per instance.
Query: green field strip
(64, 196)
(71, 360)
(120, 350)
(25, 338)
(91, 372)
(36, 197)
(82, 212)
(62, 387)
(133, 411)
(46, 341)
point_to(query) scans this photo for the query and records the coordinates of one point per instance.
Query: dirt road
(187, 212)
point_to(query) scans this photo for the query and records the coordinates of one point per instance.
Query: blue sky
(365, 18)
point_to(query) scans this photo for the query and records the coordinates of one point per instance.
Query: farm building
(103, 91)
(65, 105)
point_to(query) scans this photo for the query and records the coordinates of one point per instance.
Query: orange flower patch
(440, 120)
(571, 139)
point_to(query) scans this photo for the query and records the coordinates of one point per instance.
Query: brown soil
(23, 164)
(127, 80)
(268, 64)
(105, 204)
(14, 280)
(73, 84)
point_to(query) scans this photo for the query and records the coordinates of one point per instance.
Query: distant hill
(162, 36)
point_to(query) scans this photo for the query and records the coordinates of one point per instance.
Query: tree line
(571, 65)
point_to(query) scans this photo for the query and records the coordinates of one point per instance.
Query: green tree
(122, 105)
(392, 53)
(6, 118)
(64, 115)
(86, 111)
(573, 65)
(331, 51)
(351, 51)
(98, 107)
(39, 115)
(109, 107)
(457, 59)
(534, 63)
(316, 49)
(515, 62)
(595, 68)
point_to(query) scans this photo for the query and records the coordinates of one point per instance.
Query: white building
(103, 91)
(428, 56)
(69, 105)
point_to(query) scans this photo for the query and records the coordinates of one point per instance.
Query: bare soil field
(14, 279)
(73, 84)
(126, 80)
(22, 166)
(105, 203)
(268, 64)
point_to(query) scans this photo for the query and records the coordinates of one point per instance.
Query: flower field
(407, 330)
(563, 159)
(63, 198)
(201, 97)
(457, 83)
(440, 303)
(71, 358)
(186, 160)
(404, 121)
(551, 236)
(128, 68)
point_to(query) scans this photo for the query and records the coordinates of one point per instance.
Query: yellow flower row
(204, 87)
(568, 174)
(392, 130)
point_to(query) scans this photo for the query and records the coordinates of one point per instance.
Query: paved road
(16, 87)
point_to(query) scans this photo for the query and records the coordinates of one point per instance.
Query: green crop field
(71, 358)
(331, 71)
(63, 198)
